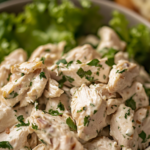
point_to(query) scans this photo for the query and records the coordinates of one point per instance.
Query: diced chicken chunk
(60, 104)
(112, 105)
(103, 91)
(102, 143)
(17, 137)
(121, 56)
(89, 39)
(7, 117)
(27, 67)
(27, 88)
(41, 147)
(18, 56)
(109, 39)
(123, 127)
(25, 111)
(135, 96)
(53, 51)
(122, 75)
(89, 110)
(54, 132)
(83, 53)
(52, 90)
(78, 74)
(142, 119)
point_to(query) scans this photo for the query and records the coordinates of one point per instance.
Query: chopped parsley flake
(69, 64)
(97, 73)
(43, 60)
(91, 79)
(79, 111)
(71, 124)
(95, 111)
(127, 114)
(79, 62)
(81, 73)
(5, 144)
(118, 71)
(43, 141)
(61, 106)
(133, 127)
(142, 135)
(34, 126)
(30, 83)
(104, 77)
(21, 120)
(42, 75)
(62, 81)
(22, 74)
(147, 113)
(91, 104)
(109, 53)
(36, 105)
(94, 62)
(84, 108)
(69, 79)
(61, 61)
(86, 120)
(54, 112)
(131, 103)
(86, 74)
(9, 76)
(12, 95)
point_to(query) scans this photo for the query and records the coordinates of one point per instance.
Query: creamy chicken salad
(87, 99)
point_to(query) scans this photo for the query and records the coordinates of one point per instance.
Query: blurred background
(142, 7)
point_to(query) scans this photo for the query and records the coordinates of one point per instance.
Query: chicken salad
(83, 100)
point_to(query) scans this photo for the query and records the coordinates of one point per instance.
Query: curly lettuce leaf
(47, 21)
(137, 38)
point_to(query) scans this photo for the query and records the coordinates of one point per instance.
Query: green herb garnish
(22, 74)
(54, 112)
(86, 120)
(34, 126)
(94, 62)
(43, 60)
(5, 144)
(21, 120)
(142, 135)
(79, 62)
(61, 61)
(131, 103)
(9, 76)
(61, 106)
(42, 75)
(127, 114)
(69, 79)
(71, 124)
(118, 71)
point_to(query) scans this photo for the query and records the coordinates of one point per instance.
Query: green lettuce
(47, 21)
(137, 38)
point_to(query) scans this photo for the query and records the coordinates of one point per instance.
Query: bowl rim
(107, 3)
(11, 3)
